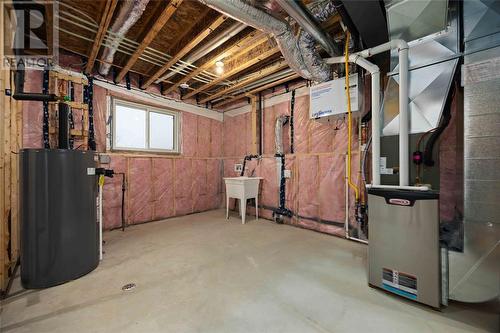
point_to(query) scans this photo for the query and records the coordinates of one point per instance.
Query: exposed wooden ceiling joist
(109, 9)
(234, 71)
(256, 90)
(189, 46)
(243, 44)
(155, 29)
(254, 77)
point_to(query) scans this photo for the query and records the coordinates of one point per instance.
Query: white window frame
(147, 109)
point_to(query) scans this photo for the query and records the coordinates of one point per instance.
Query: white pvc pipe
(402, 48)
(404, 155)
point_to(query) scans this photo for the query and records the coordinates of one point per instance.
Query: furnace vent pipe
(357, 58)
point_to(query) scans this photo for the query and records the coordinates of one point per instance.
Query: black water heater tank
(59, 230)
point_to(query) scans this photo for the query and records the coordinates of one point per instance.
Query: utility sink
(242, 188)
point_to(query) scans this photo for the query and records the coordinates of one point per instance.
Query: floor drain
(128, 287)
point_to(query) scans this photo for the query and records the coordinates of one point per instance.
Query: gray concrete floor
(201, 273)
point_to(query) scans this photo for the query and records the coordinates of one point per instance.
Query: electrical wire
(349, 119)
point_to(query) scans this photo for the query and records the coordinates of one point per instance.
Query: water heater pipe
(357, 58)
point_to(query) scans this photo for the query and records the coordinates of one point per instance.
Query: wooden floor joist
(101, 32)
(252, 40)
(234, 71)
(155, 29)
(257, 90)
(188, 47)
(254, 77)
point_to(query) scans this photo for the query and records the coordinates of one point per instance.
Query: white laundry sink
(242, 188)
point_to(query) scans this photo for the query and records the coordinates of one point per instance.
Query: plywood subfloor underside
(201, 273)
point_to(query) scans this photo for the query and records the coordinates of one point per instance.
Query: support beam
(242, 45)
(254, 77)
(155, 29)
(109, 9)
(257, 90)
(189, 46)
(234, 71)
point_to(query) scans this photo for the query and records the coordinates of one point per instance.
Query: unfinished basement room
(250, 166)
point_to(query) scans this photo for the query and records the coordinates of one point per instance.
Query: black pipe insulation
(20, 95)
(89, 94)
(124, 186)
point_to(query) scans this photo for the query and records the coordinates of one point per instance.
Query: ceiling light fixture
(219, 64)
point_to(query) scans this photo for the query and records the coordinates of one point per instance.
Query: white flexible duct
(130, 12)
(287, 42)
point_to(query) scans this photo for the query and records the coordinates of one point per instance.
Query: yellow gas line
(349, 118)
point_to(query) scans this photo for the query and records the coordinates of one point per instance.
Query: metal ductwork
(309, 23)
(130, 11)
(475, 271)
(311, 67)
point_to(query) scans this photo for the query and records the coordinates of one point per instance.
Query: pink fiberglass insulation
(269, 185)
(112, 194)
(308, 186)
(214, 183)
(183, 186)
(140, 190)
(301, 124)
(32, 112)
(203, 137)
(269, 119)
(290, 183)
(163, 188)
(200, 198)
(229, 147)
(248, 132)
(189, 133)
(99, 104)
(332, 188)
(322, 137)
(240, 135)
(216, 129)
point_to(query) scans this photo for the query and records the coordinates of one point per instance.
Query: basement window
(140, 127)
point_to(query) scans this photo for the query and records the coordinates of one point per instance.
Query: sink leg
(227, 207)
(243, 208)
(257, 208)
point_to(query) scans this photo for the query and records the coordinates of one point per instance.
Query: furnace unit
(404, 252)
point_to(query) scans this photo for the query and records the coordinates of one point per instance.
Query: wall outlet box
(104, 159)
(288, 174)
(238, 167)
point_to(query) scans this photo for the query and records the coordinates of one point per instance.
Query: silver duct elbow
(305, 62)
(130, 12)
